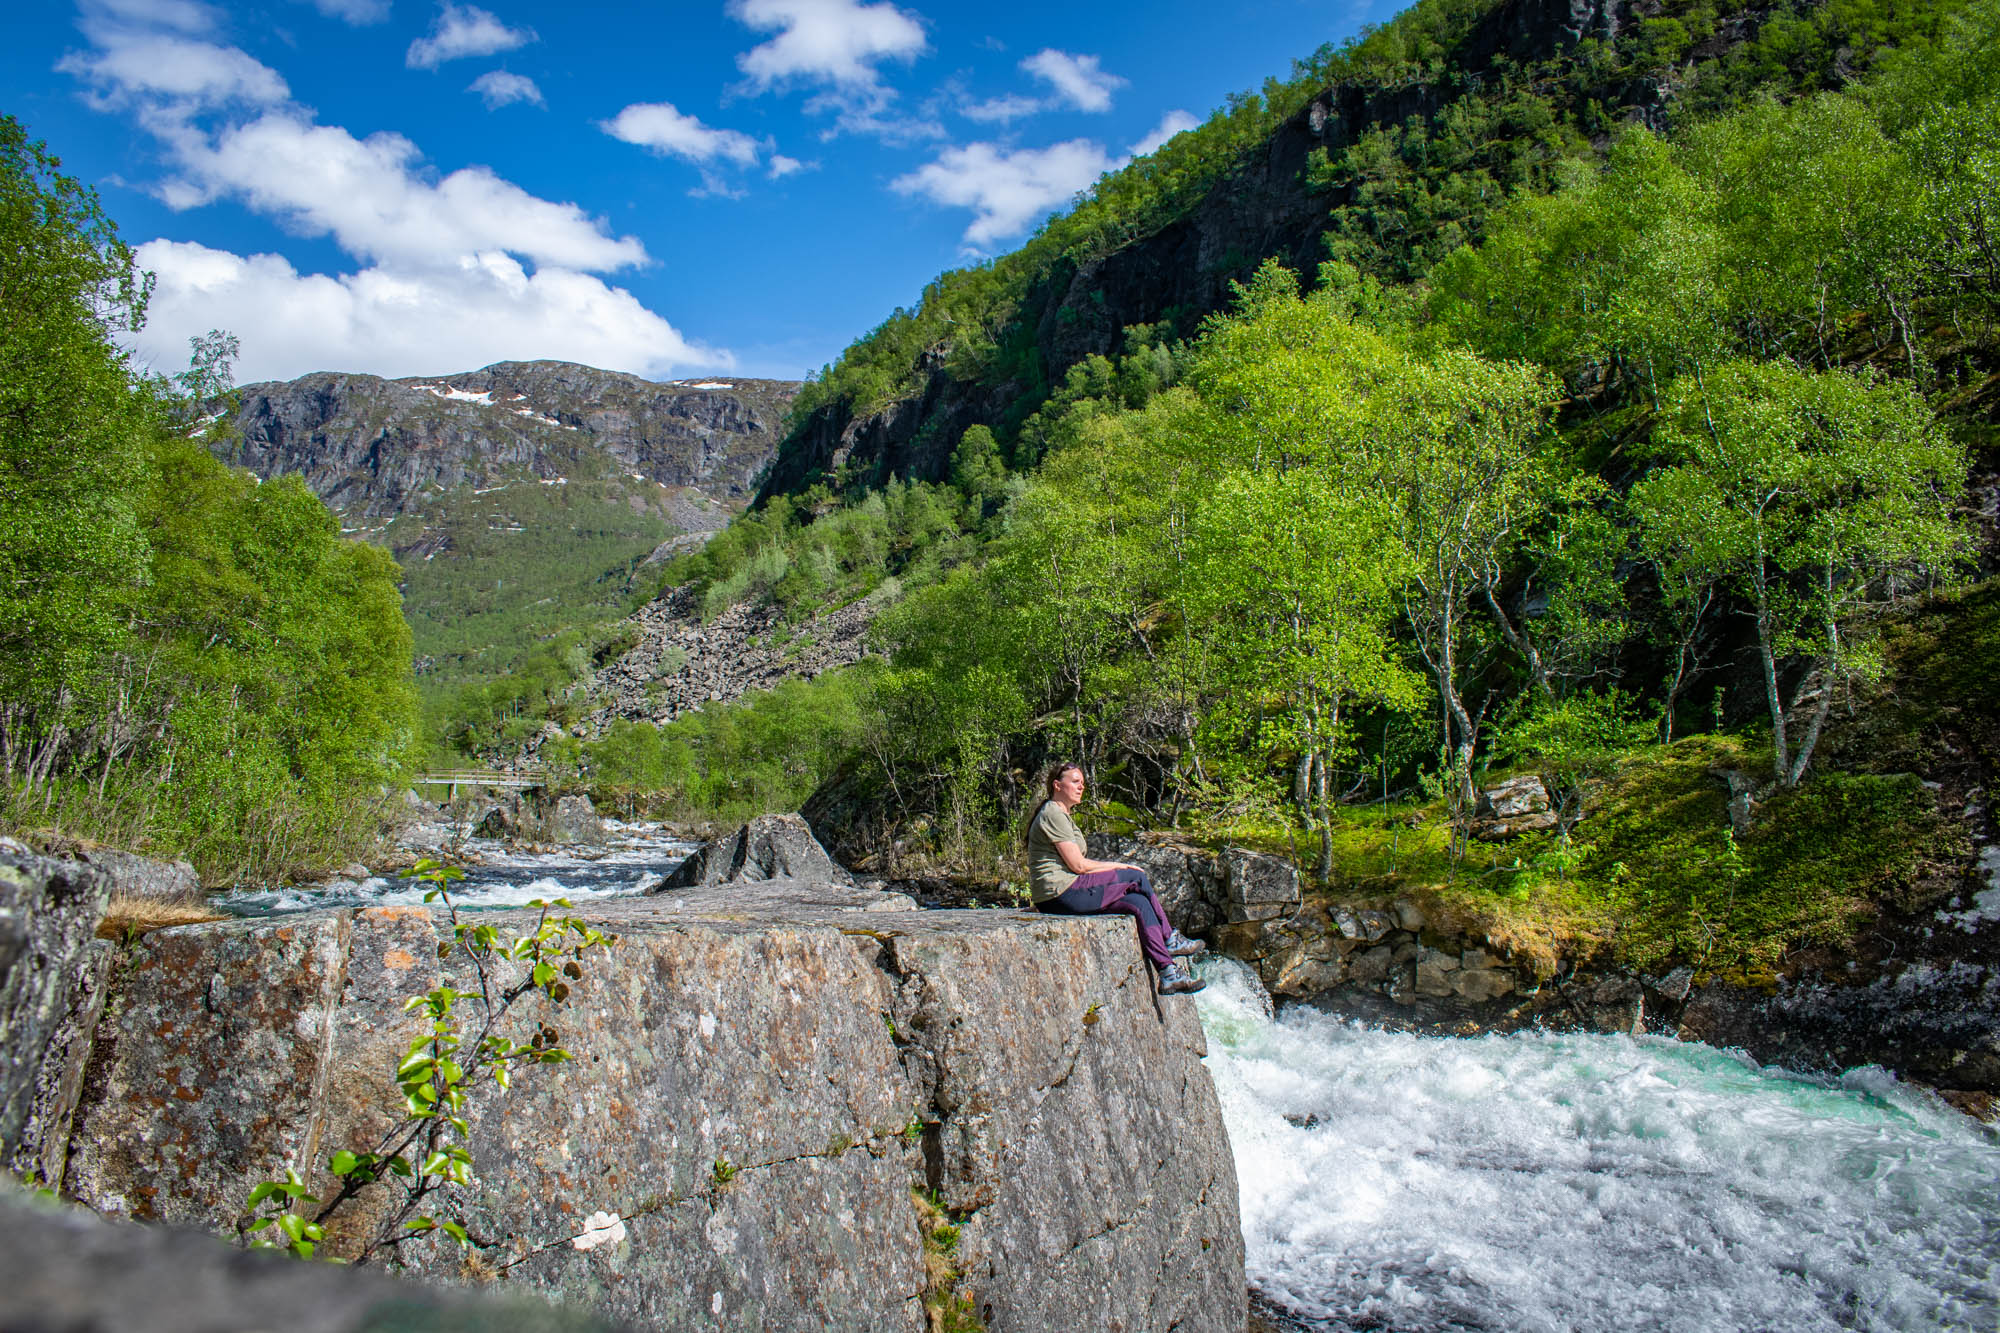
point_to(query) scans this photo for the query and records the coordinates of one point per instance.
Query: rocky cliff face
(367, 445)
(1181, 273)
(764, 1074)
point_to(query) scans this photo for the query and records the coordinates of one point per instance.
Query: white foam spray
(1583, 1182)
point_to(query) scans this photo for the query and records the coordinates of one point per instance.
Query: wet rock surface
(764, 1071)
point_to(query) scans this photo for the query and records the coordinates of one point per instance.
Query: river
(1585, 1182)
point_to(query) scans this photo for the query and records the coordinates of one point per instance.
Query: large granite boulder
(1202, 889)
(574, 819)
(52, 972)
(768, 847)
(763, 1075)
(72, 1272)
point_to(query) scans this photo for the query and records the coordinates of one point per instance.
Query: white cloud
(389, 322)
(1007, 190)
(837, 46)
(782, 166)
(1170, 124)
(1077, 80)
(464, 30)
(444, 279)
(1001, 109)
(665, 130)
(499, 88)
(357, 12)
(825, 41)
(371, 196)
(132, 63)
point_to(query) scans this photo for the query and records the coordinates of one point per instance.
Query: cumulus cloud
(1170, 124)
(1006, 189)
(389, 322)
(372, 196)
(837, 47)
(665, 130)
(131, 63)
(457, 269)
(782, 166)
(1077, 80)
(825, 41)
(499, 88)
(461, 31)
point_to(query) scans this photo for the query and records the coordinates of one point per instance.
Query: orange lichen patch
(399, 960)
(403, 912)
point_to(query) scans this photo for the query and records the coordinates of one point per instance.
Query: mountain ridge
(370, 447)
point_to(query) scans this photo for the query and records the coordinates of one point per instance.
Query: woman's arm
(1079, 864)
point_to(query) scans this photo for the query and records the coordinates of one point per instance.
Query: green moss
(950, 1308)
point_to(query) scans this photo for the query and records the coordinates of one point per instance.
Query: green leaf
(342, 1163)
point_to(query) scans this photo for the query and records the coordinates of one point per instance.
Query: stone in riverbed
(768, 847)
(574, 819)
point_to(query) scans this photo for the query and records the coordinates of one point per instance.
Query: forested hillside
(1641, 387)
(190, 662)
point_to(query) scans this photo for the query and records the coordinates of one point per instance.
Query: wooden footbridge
(474, 780)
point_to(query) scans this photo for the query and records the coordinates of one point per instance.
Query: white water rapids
(1582, 1182)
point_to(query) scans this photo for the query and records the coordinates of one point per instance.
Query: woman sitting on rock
(1067, 882)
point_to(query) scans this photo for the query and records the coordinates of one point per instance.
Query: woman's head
(1066, 782)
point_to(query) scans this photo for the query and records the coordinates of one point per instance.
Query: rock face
(73, 1272)
(768, 847)
(763, 1074)
(367, 445)
(51, 985)
(1202, 889)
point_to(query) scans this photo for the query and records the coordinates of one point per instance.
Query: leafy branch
(428, 1152)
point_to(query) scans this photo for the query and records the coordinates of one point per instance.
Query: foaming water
(636, 858)
(1559, 1182)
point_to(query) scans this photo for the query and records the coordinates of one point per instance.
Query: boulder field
(767, 1077)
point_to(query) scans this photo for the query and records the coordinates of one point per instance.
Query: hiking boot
(1176, 979)
(1180, 946)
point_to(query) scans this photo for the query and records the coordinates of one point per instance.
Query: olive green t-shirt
(1047, 875)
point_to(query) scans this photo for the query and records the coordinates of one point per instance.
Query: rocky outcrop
(52, 976)
(367, 445)
(1202, 889)
(768, 847)
(1511, 808)
(763, 1074)
(71, 1272)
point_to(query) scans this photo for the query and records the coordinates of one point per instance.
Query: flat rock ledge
(763, 1075)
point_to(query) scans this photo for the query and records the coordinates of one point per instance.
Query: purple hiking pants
(1127, 891)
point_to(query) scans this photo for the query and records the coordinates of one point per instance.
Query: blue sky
(740, 186)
